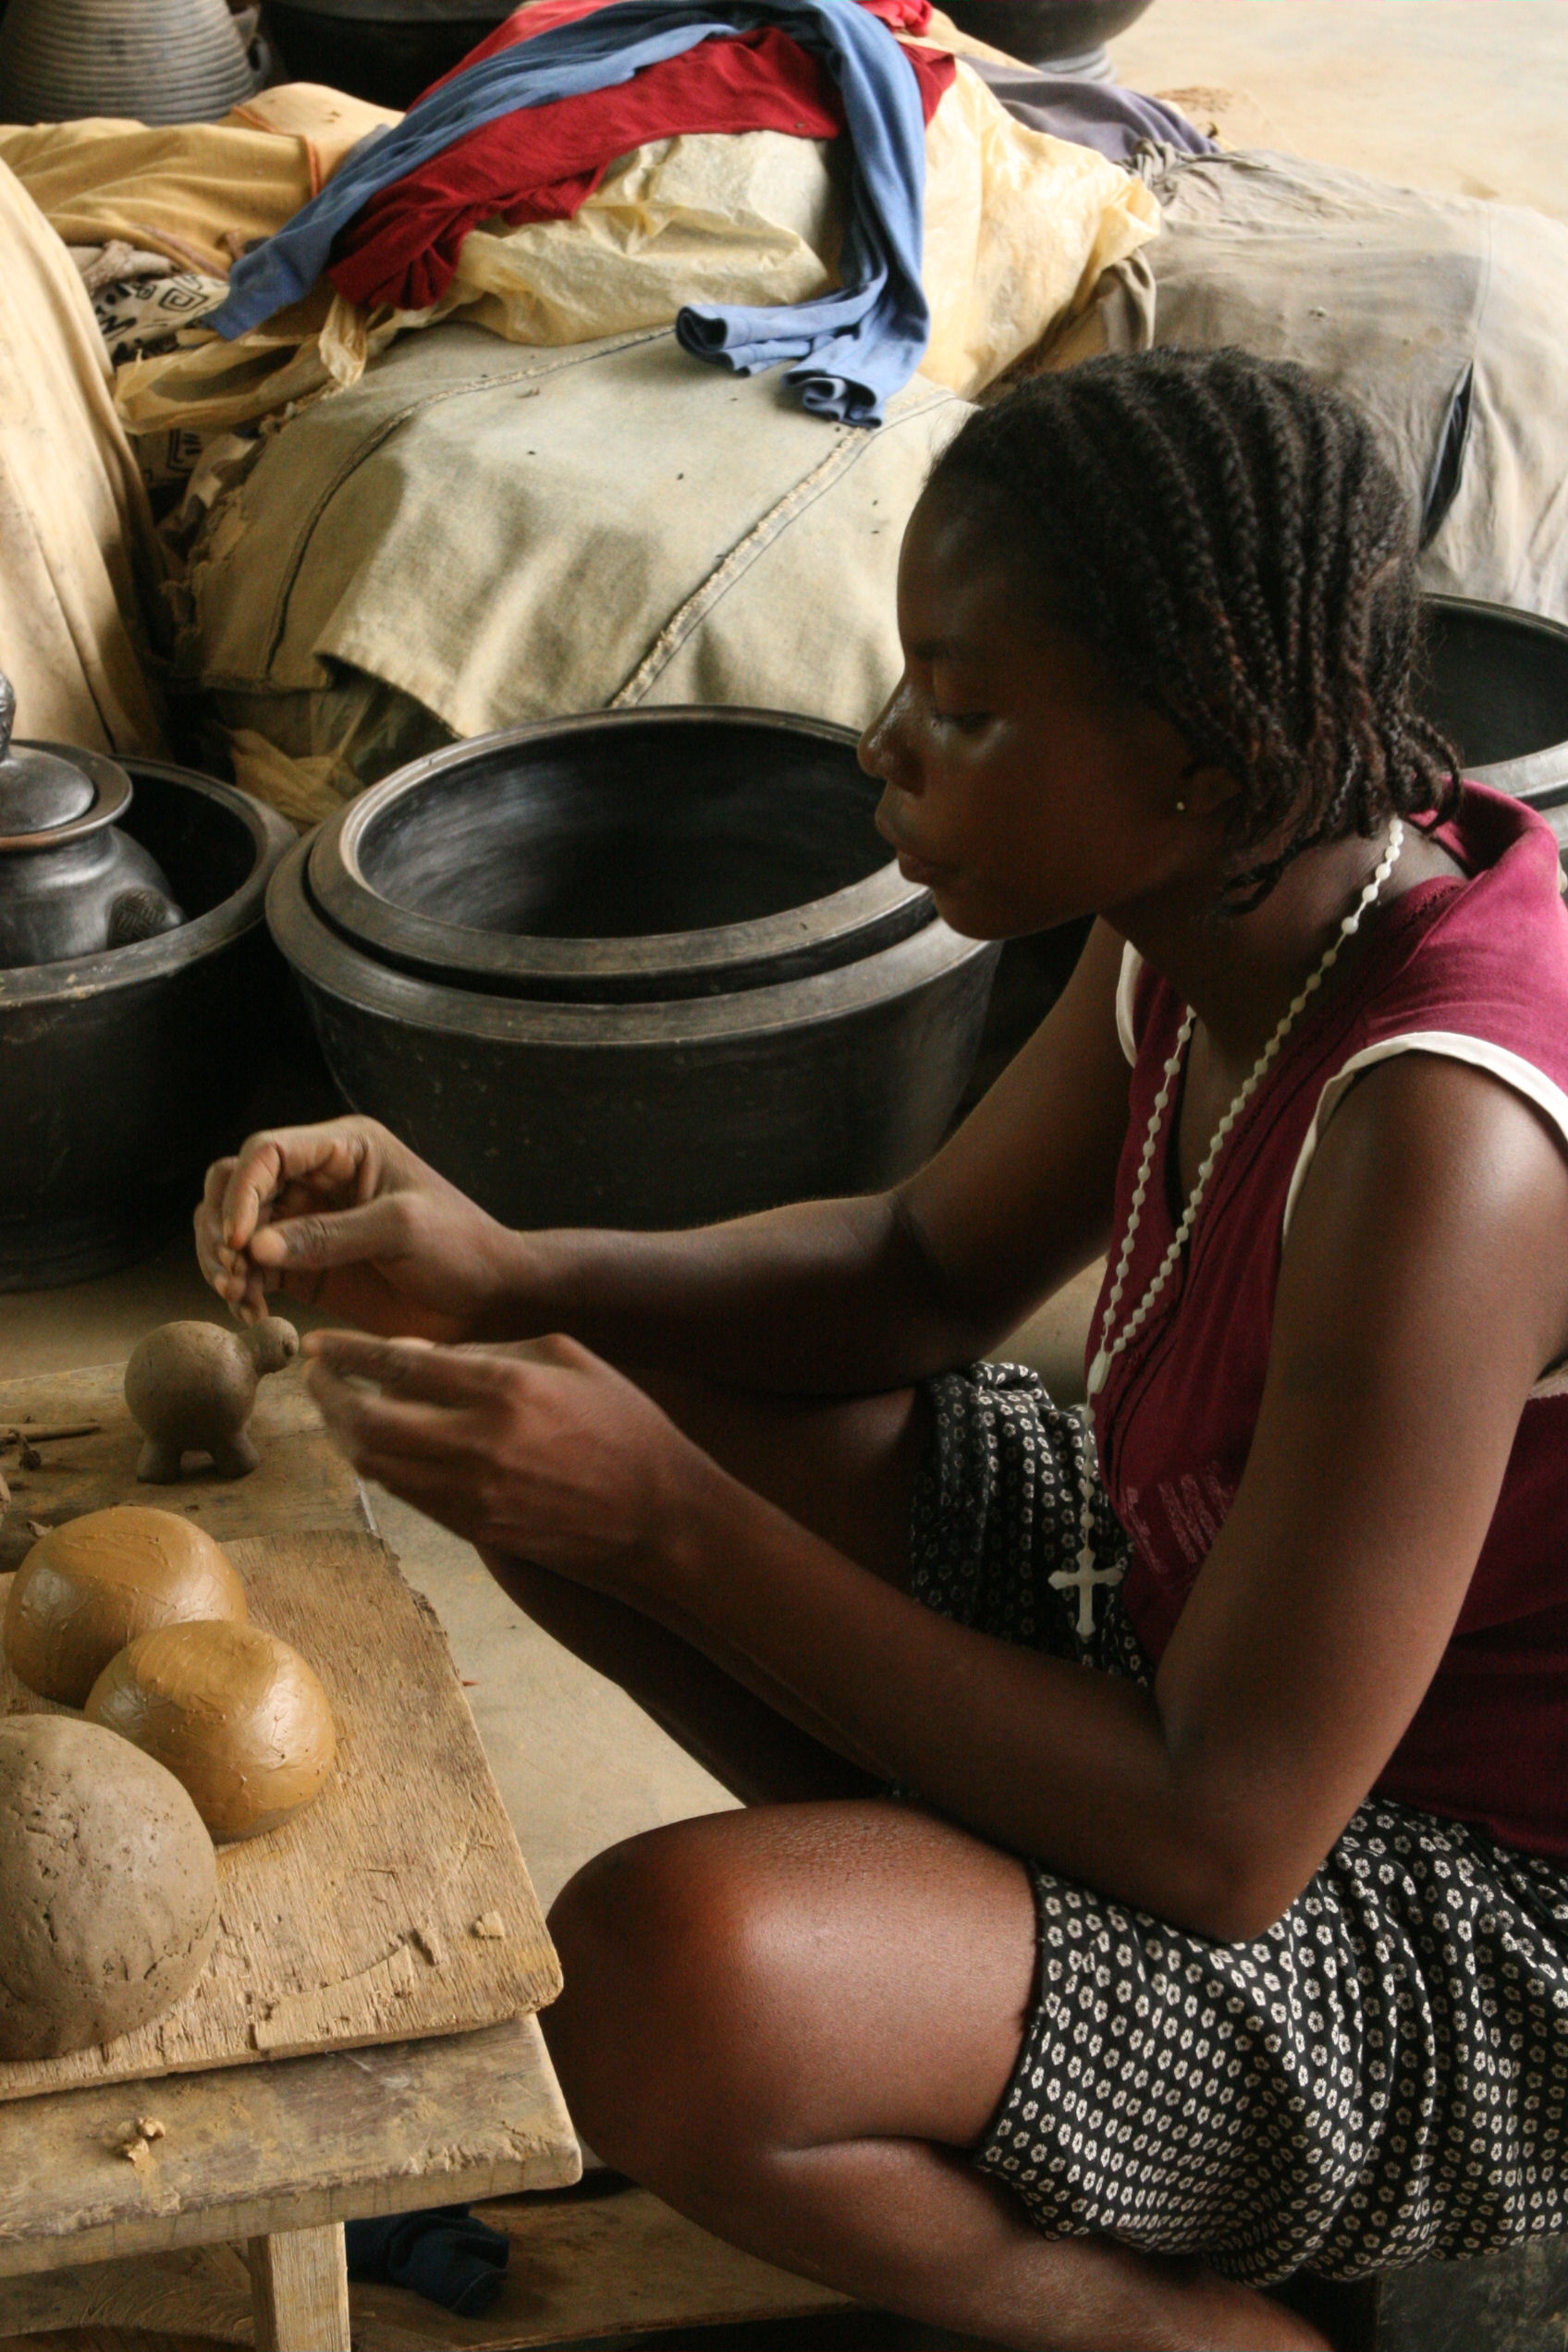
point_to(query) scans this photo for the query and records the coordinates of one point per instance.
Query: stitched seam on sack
(489, 380)
(852, 445)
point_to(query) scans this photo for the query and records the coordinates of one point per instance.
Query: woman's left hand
(543, 1451)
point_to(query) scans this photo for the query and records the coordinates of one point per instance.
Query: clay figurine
(191, 1387)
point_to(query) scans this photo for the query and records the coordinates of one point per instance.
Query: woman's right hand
(344, 1217)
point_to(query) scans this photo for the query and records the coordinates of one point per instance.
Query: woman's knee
(663, 2000)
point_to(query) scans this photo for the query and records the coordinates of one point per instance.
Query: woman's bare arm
(837, 1296)
(1425, 1287)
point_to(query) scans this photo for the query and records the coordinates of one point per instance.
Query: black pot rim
(35, 985)
(842, 927)
(328, 966)
(1539, 777)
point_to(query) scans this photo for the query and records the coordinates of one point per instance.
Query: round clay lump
(87, 1588)
(108, 1888)
(236, 1715)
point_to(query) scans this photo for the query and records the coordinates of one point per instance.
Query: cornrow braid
(1227, 533)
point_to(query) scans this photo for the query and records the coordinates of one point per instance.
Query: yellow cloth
(747, 217)
(1019, 228)
(197, 192)
(74, 526)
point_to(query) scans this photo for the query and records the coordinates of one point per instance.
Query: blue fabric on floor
(443, 2254)
(1101, 115)
(850, 350)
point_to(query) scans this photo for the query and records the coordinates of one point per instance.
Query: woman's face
(1021, 785)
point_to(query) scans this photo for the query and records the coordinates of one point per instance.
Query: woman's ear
(1206, 788)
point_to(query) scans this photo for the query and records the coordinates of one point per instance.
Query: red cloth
(541, 162)
(1485, 959)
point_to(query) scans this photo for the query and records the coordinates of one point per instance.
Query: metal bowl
(123, 1073)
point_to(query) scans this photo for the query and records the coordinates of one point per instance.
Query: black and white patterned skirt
(1382, 2079)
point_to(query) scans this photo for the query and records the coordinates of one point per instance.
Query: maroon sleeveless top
(1477, 971)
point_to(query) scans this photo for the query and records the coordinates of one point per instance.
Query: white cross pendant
(1082, 1582)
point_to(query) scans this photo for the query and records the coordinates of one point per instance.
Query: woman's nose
(878, 748)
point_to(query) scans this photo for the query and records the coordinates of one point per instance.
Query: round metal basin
(1496, 682)
(648, 969)
(620, 857)
(123, 1073)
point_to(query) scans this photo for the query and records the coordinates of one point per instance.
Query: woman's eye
(966, 722)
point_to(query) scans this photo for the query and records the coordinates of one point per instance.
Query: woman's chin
(971, 917)
(958, 913)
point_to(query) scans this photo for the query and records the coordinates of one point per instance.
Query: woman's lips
(916, 869)
(913, 867)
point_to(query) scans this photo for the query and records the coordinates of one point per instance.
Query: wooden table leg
(300, 2290)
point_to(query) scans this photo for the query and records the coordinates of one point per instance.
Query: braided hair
(1227, 533)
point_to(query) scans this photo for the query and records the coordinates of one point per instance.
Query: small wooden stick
(31, 1436)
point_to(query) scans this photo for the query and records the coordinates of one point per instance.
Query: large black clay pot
(620, 857)
(156, 61)
(386, 51)
(1496, 681)
(1060, 36)
(765, 1011)
(123, 1073)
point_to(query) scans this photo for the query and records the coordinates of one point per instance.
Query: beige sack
(74, 526)
(476, 528)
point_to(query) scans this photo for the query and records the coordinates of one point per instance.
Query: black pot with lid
(72, 883)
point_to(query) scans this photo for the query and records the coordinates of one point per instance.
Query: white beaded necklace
(1088, 1573)
(1110, 1347)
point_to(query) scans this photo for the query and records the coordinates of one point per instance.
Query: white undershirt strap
(1126, 989)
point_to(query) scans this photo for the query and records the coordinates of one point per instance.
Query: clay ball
(236, 1715)
(108, 1889)
(87, 1588)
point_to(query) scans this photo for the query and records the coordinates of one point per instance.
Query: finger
(265, 1162)
(322, 1238)
(363, 1424)
(221, 1267)
(552, 1350)
(209, 1208)
(430, 1488)
(415, 1368)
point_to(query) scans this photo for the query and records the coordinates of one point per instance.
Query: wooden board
(357, 1921)
(608, 2267)
(302, 1481)
(288, 2146)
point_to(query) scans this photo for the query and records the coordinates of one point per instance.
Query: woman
(1059, 2006)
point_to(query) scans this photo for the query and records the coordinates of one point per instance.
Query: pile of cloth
(716, 178)
(611, 520)
(716, 182)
